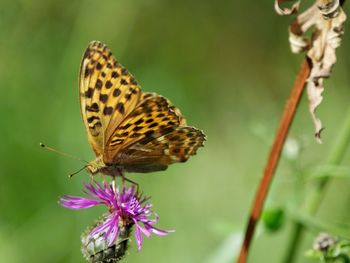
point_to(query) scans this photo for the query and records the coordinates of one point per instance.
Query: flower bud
(96, 249)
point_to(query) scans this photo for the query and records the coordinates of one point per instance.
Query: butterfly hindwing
(156, 154)
(152, 118)
(108, 93)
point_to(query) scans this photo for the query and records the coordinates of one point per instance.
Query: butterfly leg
(124, 179)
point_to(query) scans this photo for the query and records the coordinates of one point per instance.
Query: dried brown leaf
(327, 18)
(286, 11)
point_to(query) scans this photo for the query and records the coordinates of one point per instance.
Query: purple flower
(124, 208)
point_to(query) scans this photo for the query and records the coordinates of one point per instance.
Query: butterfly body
(98, 166)
(129, 130)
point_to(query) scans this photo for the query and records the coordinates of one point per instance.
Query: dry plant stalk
(274, 156)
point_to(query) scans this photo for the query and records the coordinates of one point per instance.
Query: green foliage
(273, 218)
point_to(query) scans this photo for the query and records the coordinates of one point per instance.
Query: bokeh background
(225, 64)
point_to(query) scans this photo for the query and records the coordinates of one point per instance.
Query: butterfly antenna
(64, 154)
(71, 175)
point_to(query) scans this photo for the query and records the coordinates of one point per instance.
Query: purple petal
(99, 229)
(102, 227)
(76, 202)
(145, 231)
(110, 227)
(158, 231)
(138, 237)
(97, 191)
(113, 231)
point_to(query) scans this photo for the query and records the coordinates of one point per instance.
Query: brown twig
(274, 156)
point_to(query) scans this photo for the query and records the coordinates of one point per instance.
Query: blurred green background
(225, 64)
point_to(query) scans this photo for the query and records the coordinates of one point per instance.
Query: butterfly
(128, 129)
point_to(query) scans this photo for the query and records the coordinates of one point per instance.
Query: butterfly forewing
(108, 93)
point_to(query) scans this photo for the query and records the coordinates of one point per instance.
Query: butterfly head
(95, 165)
(92, 169)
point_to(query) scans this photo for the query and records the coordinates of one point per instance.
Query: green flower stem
(316, 194)
(296, 236)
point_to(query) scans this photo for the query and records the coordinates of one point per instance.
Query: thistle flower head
(125, 208)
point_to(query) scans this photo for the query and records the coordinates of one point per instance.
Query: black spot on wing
(115, 74)
(139, 122)
(108, 84)
(92, 118)
(103, 98)
(120, 108)
(99, 66)
(116, 92)
(137, 128)
(154, 124)
(107, 110)
(99, 84)
(88, 72)
(127, 96)
(93, 108)
(89, 92)
(125, 126)
(133, 81)
(124, 71)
